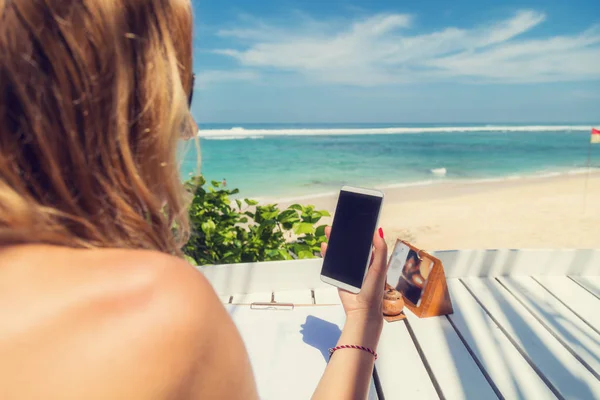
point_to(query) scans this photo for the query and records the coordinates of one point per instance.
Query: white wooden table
(526, 324)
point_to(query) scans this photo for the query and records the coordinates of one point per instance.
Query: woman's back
(116, 324)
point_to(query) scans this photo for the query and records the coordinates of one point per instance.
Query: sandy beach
(524, 213)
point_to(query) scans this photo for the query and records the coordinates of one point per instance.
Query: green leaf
(288, 216)
(251, 202)
(285, 254)
(239, 203)
(303, 228)
(307, 212)
(295, 207)
(324, 213)
(288, 225)
(208, 226)
(269, 214)
(320, 231)
(304, 254)
(273, 252)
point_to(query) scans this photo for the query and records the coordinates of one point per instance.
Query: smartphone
(351, 241)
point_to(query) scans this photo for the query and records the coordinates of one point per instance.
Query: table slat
(400, 368)
(591, 283)
(249, 298)
(327, 296)
(558, 319)
(294, 297)
(506, 367)
(455, 371)
(563, 371)
(582, 302)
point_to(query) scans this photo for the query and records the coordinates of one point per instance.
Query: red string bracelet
(352, 346)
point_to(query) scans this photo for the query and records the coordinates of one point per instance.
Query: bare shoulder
(201, 341)
(115, 282)
(162, 281)
(167, 313)
(196, 346)
(163, 288)
(144, 322)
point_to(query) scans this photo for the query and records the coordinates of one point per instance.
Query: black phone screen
(351, 237)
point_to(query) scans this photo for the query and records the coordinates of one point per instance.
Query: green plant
(226, 231)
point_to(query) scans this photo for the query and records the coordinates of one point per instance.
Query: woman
(95, 301)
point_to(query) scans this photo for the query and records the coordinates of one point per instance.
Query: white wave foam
(235, 137)
(439, 171)
(580, 171)
(240, 133)
(404, 185)
(547, 174)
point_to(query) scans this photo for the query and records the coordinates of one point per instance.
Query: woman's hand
(369, 302)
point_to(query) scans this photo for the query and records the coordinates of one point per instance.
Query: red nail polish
(381, 233)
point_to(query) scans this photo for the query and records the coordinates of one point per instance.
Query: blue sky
(386, 61)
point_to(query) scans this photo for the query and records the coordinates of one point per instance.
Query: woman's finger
(376, 277)
(323, 249)
(324, 245)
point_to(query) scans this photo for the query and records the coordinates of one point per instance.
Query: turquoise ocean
(287, 161)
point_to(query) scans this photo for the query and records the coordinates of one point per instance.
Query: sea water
(295, 160)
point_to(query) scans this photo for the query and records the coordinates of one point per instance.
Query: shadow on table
(320, 334)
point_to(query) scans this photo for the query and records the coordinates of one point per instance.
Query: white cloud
(505, 30)
(381, 50)
(206, 78)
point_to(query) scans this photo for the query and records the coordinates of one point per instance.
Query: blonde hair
(93, 99)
